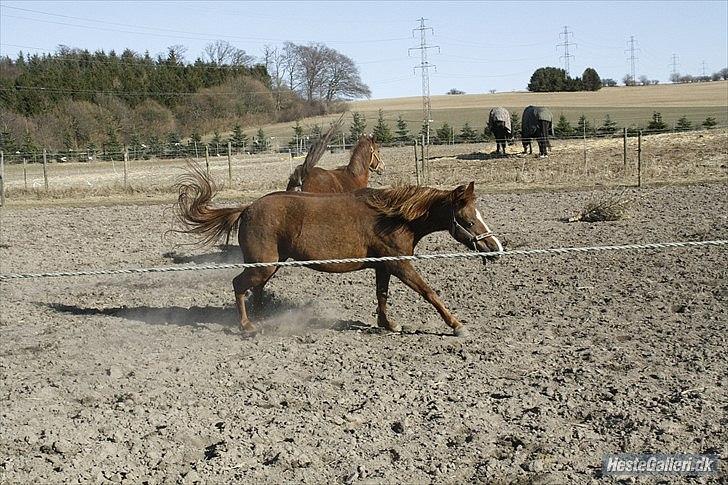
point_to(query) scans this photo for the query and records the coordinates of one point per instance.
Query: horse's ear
(470, 191)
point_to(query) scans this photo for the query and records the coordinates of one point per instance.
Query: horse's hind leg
(383, 277)
(258, 292)
(248, 279)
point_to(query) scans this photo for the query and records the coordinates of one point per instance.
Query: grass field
(628, 106)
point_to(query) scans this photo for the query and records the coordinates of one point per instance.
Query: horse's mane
(312, 158)
(408, 202)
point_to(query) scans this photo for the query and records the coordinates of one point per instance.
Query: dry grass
(605, 208)
(666, 158)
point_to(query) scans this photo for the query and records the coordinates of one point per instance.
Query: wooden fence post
(25, 173)
(417, 167)
(230, 165)
(45, 168)
(207, 158)
(584, 136)
(126, 165)
(624, 155)
(639, 159)
(423, 162)
(2, 178)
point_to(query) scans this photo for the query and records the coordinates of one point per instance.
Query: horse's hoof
(460, 331)
(389, 326)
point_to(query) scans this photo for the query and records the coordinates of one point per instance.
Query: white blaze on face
(497, 242)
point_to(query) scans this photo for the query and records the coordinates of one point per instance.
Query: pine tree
(563, 127)
(402, 130)
(467, 134)
(583, 126)
(515, 123)
(358, 125)
(216, 141)
(112, 148)
(709, 122)
(261, 141)
(382, 133)
(444, 133)
(238, 139)
(174, 143)
(656, 123)
(316, 132)
(487, 134)
(608, 126)
(683, 124)
(7, 142)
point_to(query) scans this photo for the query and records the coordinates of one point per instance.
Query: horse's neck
(358, 164)
(439, 218)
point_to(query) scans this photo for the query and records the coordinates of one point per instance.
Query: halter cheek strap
(374, 155)
(457, 228)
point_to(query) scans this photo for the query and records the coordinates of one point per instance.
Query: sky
(482, 46)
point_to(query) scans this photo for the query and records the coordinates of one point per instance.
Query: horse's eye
(470, 224)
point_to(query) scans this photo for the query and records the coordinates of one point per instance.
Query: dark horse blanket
(532, 118)
(500, 114)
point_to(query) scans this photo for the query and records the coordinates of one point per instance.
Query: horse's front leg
(383, 276)
(410, 277)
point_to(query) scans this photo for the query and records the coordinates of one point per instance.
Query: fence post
(25, 173)
(639, 159)
(584, 135)
(45, 168)
(422, 160)
(197, 155)
(417, 167)
(126, 163)
(624, 155)
(207, 158)
(230, 165)
(2, 178)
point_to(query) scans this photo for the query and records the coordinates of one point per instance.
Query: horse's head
(467, 225)
(375, 161)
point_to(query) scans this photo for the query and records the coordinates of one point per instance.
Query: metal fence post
(45, 168)
(207, 158)
(639, 159)
(230, 165)
(624, 155)
(2, 178)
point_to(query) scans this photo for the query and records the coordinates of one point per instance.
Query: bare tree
(341, 78)
(223, 53)
(290, 64)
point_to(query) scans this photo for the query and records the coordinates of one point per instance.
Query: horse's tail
(546, 130)
(194, 212)
(295, 181)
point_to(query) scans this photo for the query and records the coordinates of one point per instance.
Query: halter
(374, 155)
(458, 229)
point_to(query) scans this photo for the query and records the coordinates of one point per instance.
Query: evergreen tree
(563, 128)
(487, 135)
(216, 141)
(316, 132)
(298, 135)
(112, 148)
(174, 144)
(195, 146)
(261, 141)
(238, 139)
(709, 122)
(28, 146)
(468, 134)
(608, 126)
(683, 124)
(402, 130)
(358, 125)
(382, 133)
(515, 123)
(656, 123)
(444, 133)
(583, 125)
(590, 80)
(7, 142)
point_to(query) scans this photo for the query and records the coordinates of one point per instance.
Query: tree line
(553, 79)
(78, 100)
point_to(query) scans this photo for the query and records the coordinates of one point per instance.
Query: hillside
(628, 106)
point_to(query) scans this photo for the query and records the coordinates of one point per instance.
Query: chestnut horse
(366, 223)
(347, 178)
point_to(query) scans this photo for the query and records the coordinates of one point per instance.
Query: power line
(632, 58)
(566, 44)
(425, 69)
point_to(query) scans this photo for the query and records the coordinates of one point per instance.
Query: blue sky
(483, 45)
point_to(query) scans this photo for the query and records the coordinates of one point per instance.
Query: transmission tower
(674, 63)
(632, 58)
(703, 68)
(566, 44)
(424, 67)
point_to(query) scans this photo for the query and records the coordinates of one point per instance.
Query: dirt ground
(145, 378)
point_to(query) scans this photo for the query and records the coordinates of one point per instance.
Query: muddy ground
(145, 378)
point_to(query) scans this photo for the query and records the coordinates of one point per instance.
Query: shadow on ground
(485, 156)
(227, 254)
(277, 317)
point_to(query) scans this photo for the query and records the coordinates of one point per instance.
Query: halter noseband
(472, 239)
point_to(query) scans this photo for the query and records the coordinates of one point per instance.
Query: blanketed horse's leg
(383, 276)
(410, 277)
(250, 278)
